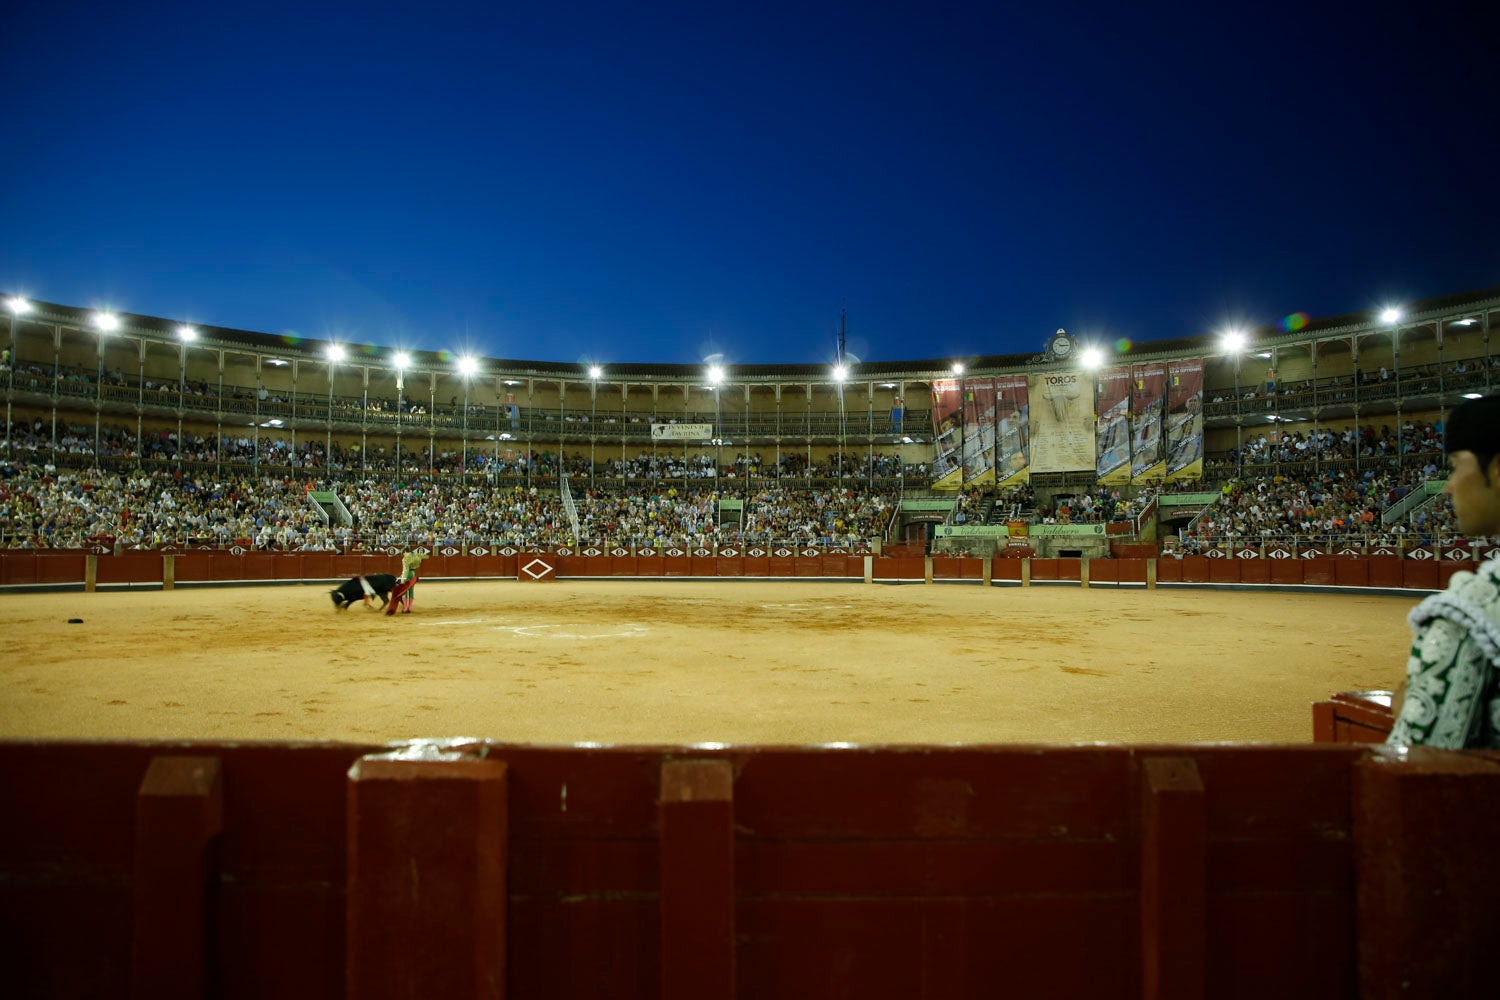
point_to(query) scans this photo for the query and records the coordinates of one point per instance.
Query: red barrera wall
(20, 568)
(1109, 872)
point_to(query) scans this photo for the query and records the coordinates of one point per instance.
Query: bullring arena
(766, 682)
(669, 662)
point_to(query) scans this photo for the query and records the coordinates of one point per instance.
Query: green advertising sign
(927, 504)
(972, 530)
(1062, 530)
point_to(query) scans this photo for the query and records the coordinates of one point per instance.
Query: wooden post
(697, 880)
(1150, 574)
(1026, 572)
(425, 909)
(179, 809)
(168, 572)
(90, 573)
(1426, 878)
(1174, 874)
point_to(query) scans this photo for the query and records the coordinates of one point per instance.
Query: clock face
(1061, 346)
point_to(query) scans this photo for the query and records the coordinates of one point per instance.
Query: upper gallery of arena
(1416, 358)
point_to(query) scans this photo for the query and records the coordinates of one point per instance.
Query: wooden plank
(697, 880)
(1424, 827)
(1173, 880)
(426, 892)
(179, 811)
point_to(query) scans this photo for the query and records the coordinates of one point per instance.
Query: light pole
(400, 361)
(17, 307)
(1233, 342)
(467, 366)
(840, 373)
(335, 355)
(1392, 316)
(716, 379)
(595, 373)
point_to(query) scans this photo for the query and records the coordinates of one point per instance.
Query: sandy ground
(675, 662)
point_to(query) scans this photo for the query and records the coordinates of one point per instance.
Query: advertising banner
(947, 414)
(1012, 430)
(1148, 401)
(1112, 430)
(1062, 423)
(681, 432)
(979, 431)
(1185, 419)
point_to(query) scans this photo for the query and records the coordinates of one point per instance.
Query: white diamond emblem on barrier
(728, 552)
(479, 551)
(648, 552)
(757, 553)
(536, 574)
(450, 551)
(809, 552)
(591, 551)
(617, 551)
(783, 552)
(508, 551)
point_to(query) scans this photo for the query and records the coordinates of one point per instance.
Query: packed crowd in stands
(78, 445)
(1326, 445)
(72, 509)
(1338, 504)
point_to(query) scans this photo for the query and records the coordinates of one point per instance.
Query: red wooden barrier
(1003, 569)
(1070, 569)
(1104, 571)
(1383, 571)
(1111, 872)
(1418, 574)
(1286, 572)
(1169, 570)
(1044, 570)
(61, 567)
(1132, 570)
(1319, 571)
(1255, 570)
(1194, 569)
(130, 567)
(1351, 572)
(1224, 570)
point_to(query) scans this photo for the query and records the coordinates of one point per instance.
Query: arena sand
(679, 662)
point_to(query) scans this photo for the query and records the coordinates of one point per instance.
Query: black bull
(350, 590)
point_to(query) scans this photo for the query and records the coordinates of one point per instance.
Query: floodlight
(467, 365)
(1465, 322)
(1473, 395)
(840, 372)
(18, 306)
(187, 333)
(595, 371)
(715, 374)
(958, 367)
(1232, 340)
(335, 352)
(400, 359)
(107, 322)
(1390, 314)
(1091, 357)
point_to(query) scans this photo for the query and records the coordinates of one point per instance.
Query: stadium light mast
(1393, 315)
(716, 380)
(595, 373)
(17, 307)
(400, 360)
(840, 374)
(1233, 342)
(335, 354)
(467, 366)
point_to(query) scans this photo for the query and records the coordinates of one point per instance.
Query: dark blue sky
(659, 182)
